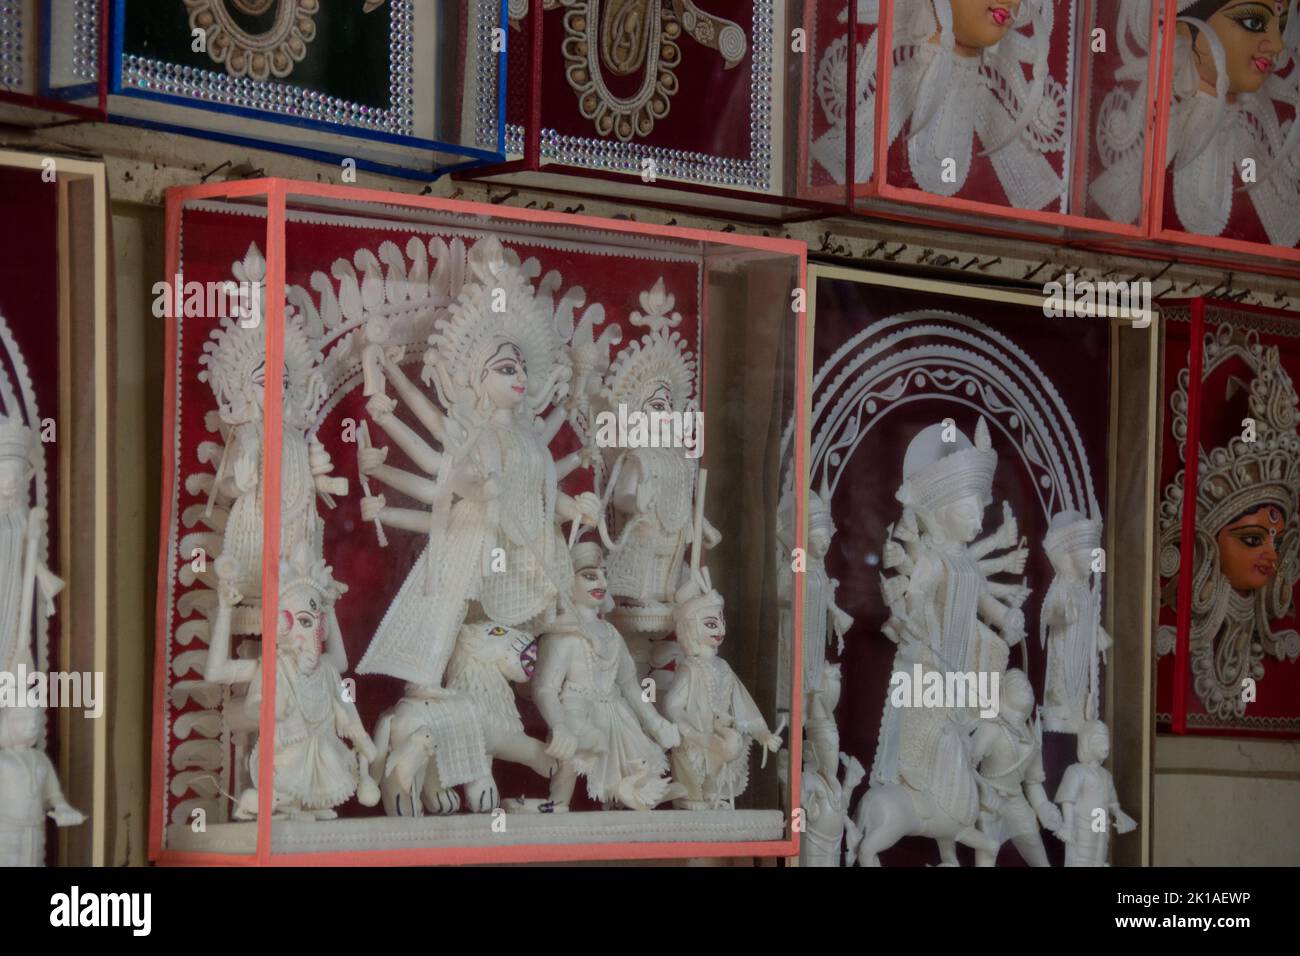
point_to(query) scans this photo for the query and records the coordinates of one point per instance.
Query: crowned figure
(651, 485)
(1231, 137)
(1070, 624)
(495, 361)
(586, 687)
(967, 75)
(947, 614)
(717, 718)
(1247, 547)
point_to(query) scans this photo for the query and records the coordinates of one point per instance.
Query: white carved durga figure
(491, 492)
(1232, 131)
(634, 38)
(274, 51)
(959, 83)
(948, 615)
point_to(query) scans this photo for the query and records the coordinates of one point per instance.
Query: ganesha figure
(1070, 624)
(434, 744)
(651, 489)
(588, 693)
(717, 718)
(947, 614)
(314, 770)
(968, 75)
(493, 505)
(1247, 548)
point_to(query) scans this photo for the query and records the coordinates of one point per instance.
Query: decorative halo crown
(498, 304)
(17, 440)
(658, 359)
(1070, 531)
(236, 350)
(937, 473)
(302, 571)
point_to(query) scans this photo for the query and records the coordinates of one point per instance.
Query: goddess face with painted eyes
(1248, 554)
(979, 24)
(1250, 32)
(302, 628)
(504, 378)
(960, 521)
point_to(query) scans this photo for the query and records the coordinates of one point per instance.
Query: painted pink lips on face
(598, 594)
(519, 389)
(1000, 15)
(1263, 64)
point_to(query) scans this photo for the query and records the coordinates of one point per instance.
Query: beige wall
(1226, 802)
(138, 264)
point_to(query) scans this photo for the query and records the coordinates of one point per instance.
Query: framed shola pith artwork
(1229, 539)
(397, 86)
(491, 559)
(977, 615)
(52, 61)
(56, 570)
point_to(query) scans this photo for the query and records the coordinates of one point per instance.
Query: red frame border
(277, 192)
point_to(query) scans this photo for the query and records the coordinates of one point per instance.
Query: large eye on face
(710, 623)
(590, 575)
(498, 631)
(306, 620)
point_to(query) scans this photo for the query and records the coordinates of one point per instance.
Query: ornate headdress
(302, 571)
(1070, 531)
(498, 304)
(937, 472)
(660, 358)
(236, 351)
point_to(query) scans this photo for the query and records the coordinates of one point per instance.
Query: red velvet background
(214, 240)
(1074, 353)
(29, 302)
(710, 113)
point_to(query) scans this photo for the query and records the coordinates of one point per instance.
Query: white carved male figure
(29, 790)
(314, 770)
(1007, 749)
(1089, 802)
(1070, 624)
(717, 718)
(825, 625)
(826, 811)
(492, 496)
(22, 529)
(587, 691)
